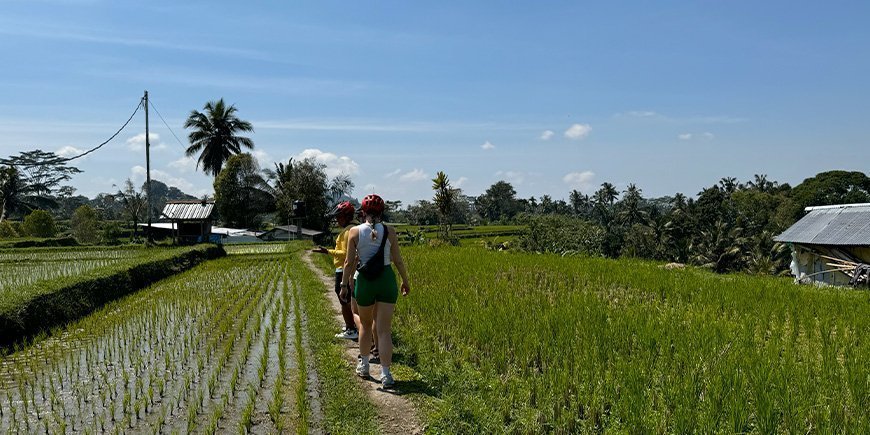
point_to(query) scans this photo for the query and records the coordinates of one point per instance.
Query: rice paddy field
(487, 342)
(215, 349)
(522, 343)
(21, 268)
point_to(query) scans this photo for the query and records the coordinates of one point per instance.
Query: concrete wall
(808, 267)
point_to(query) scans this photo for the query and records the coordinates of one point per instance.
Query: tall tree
(134, 203)
(242, 195)
(832, 187)
(631, 212)
(444, 199)
(305, 181)
(36, 181)
(498, 202)
(215, 135)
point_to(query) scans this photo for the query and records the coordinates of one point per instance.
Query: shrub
(562, 235)
(84, 225)
(8, 230)
(39, 223)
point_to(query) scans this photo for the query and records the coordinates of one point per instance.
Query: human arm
(350, 262)
(396, 258)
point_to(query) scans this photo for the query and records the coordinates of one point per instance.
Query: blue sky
(550, 96)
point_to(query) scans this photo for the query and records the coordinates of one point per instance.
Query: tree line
(728, 226)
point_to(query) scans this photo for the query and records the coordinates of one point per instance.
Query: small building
(831, 245)
(288, 232)
(190, 221)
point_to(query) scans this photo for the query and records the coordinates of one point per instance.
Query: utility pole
(148, 166)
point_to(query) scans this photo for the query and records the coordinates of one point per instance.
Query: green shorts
(383, 289)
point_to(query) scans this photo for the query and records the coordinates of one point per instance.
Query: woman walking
(343, 214)
(376, 287)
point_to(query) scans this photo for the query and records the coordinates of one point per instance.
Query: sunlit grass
(536, 343)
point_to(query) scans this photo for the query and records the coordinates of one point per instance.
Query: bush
(8, 230)
(84, 225)
(39, 223)
(562, 235)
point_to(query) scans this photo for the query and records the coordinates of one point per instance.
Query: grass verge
(346, 409)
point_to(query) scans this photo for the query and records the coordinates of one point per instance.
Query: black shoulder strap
(384, 242)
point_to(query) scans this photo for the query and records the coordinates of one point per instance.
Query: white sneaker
(362, 369)
(387, 381)
(348, 334)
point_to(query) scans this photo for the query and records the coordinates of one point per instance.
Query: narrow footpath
(396, 414)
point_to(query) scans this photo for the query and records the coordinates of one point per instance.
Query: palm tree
(215, 135)
(631, 212)
(609, 192)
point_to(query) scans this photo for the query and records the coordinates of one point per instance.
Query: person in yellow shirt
(343, 214)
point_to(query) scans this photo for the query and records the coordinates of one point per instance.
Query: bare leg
(385, 331)
(354, 308)
(365, 331)
(347, 313)
(375, 327)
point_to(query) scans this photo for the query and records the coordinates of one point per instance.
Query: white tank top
(366, 247)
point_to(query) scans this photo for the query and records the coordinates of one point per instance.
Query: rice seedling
(167, 358)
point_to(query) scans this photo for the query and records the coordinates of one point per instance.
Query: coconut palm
(215, 135)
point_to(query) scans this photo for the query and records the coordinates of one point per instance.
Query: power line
(165, 123)
(67, 159)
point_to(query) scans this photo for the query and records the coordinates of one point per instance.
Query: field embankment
(46, 287)
(524, 343)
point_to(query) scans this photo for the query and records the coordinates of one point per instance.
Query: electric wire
(166, 124)
(67, 159)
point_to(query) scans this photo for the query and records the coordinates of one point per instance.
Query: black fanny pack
(373, 268)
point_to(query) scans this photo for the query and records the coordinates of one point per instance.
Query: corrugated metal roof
(188, 210)
(292, 229)
(846, 225)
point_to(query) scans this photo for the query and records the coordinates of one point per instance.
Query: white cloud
(579, 180)
(515, 177)
(393, 173)
(415, 175)
(69, 151)
(370, 188)
(184, 164)
(264, 159)
(335, 165)
(137, 143)
(547, 134)
(138, 175)
(578, 131)
(701, 136)
(488, 145)
(460, 181)
(641, 113)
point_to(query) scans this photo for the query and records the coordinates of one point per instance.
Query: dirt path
(396, 414)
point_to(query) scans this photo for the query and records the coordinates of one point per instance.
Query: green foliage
(562, 235)
(519, 343)
(39, 223)
(241, 193)
(306, 181)
(498, 203)
(215, 135)
(832, 187)
(9, 229)
(85, 225)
